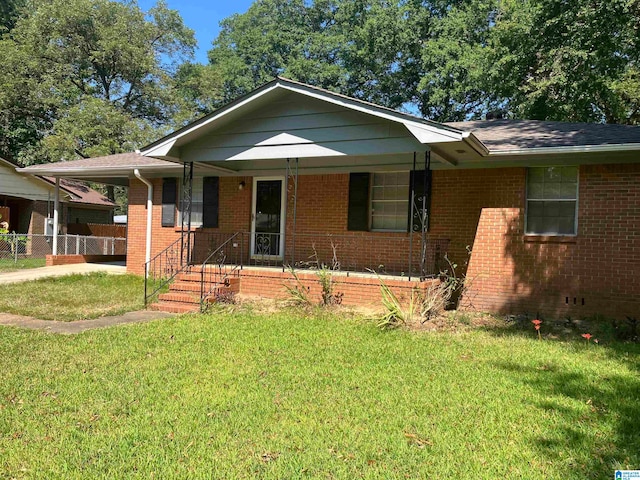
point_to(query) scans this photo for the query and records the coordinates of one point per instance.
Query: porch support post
(295, 214)
(424, 213)
(187, 191)
(412, 198)
(283, 241)
(56, 210)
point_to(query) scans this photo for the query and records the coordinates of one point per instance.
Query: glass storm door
(268, 218)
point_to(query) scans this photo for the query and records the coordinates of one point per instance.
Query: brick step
(175, 307)
(181, 286)
(195, 276)
(176, 297)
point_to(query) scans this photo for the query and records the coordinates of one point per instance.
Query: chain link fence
(18, 246)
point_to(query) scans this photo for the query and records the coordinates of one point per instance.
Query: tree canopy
(571, 60)
(91, 77)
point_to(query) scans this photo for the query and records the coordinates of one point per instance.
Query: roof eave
(621, 147)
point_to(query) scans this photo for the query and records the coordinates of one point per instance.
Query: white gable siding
(16, 185)
(297, 126)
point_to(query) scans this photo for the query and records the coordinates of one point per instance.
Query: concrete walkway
(25, 275)
(71, 328)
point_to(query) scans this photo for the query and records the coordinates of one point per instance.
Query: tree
(94, 76)
(446, 59)
(9, 13)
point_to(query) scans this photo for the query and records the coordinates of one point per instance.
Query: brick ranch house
(295, 175)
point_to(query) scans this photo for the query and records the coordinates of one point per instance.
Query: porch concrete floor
(115, 268)
(340, 273)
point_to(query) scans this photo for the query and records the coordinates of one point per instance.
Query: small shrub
(396, 315)
(329, 297)
(435, 300)
(298, 293)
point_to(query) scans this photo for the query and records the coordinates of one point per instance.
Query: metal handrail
(203, 268)
(183, 264)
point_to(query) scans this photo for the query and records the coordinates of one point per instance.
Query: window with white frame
(196, 203)
(552, 201)
(390, 201)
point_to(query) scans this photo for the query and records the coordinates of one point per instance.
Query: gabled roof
(80, 193)
(424, 131)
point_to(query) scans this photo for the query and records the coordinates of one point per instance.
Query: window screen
(552, 195)
(390, 201)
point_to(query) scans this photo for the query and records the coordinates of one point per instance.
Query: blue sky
(203, 17)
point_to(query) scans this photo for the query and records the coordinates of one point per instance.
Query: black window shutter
(210, 201)
(169, 194)
(417, 179)
(358, 216)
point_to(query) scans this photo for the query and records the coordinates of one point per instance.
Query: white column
(56, 208)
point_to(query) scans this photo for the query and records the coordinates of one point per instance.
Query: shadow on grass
(598, 417)
(597, 427)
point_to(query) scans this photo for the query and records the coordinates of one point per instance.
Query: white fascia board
(372, 110)
(621, 147)
(152, 152)
(475, 143)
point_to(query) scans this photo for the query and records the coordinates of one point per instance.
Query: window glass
(196, 203)
(552, 194)
(390, 201)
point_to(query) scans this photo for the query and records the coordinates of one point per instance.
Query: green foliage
(329, 296)
(396, 312)
(298, 292)
(450, 59)
(89, 77)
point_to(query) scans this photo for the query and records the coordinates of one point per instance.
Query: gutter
(147, 255)
(619, 147)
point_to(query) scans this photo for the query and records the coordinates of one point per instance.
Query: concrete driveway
(116, 268)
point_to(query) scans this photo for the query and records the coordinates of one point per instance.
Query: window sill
(193, 229)
(568, 239)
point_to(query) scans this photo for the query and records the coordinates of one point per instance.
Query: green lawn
(74, 297)
(9, 265)
(279, 395)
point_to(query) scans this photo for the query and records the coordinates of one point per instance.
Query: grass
(9, 265)
(74, 297)
(278, 395)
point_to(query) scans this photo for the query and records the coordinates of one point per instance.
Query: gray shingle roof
(500, 135)
(123, 160)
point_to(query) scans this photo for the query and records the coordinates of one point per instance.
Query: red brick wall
(235, 215)
(514, 273)
(356, 290)
(480, 209)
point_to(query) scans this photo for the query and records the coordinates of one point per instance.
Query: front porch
(195, 287)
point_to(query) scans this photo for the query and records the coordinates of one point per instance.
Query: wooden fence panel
(96, 230)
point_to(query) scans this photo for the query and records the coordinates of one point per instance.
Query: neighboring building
(291, 173)
(29, 201)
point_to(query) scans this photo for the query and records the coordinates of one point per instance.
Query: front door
(267, 225)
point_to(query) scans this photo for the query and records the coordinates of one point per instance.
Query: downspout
(56, 209)
(147, 255)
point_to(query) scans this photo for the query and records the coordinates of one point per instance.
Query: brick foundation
(356, 290)
(52, 260)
